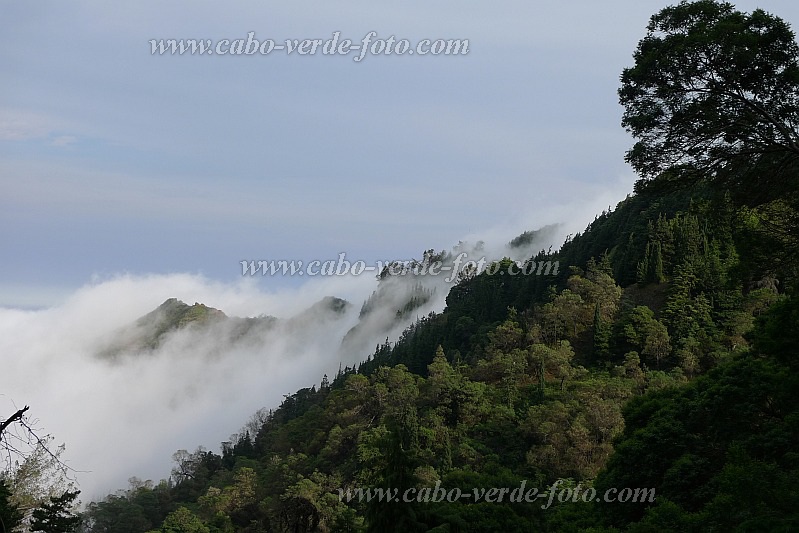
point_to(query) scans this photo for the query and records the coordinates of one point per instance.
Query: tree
(601, 335)
(657, 343)
(56, 516)
(552, 361)
(10, 516)
(714, 94)
(19, 437)
(16, 434)
(396, 473)
(183, 520)
(720, 453)
(33, 470)
(37, 477)
(650, 269)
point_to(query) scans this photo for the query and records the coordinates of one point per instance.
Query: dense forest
(660, 356)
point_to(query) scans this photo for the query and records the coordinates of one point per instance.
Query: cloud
(126, 418)
(123, 412)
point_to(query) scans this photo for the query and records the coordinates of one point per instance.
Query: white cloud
(125, 416)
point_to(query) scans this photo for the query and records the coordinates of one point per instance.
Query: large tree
(714, 95)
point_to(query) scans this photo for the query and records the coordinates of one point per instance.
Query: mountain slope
(520, 379)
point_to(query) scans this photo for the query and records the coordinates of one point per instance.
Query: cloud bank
(123, 412)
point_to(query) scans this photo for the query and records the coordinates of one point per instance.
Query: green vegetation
(660, 383)
(678, 380)
(661, 355)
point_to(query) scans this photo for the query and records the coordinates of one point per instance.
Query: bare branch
(13, 418)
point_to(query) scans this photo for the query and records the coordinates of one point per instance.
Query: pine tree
(604, 264)
(601, 334)
(642, 272)
(56, 516)
(657, 264)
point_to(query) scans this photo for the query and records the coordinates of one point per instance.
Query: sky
(127, 178)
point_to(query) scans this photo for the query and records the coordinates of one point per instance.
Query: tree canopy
(714, 94)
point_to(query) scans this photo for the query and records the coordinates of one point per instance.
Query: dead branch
(13, 418)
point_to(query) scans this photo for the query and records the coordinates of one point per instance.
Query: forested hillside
(659, 354)
(539, 378)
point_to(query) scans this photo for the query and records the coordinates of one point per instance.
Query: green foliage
(721, 452)
(778, 331)
(140, 508)
(646, 334)
(714, 93)
(183, 521)
(539, 390)
(397, 472)
(57, 515)
(10, 516)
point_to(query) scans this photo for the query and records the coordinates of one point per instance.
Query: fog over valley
(129, 369)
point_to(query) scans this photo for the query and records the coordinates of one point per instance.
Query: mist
(123, 409)
(124, 415)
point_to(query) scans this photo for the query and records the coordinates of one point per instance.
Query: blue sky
(113, 160)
